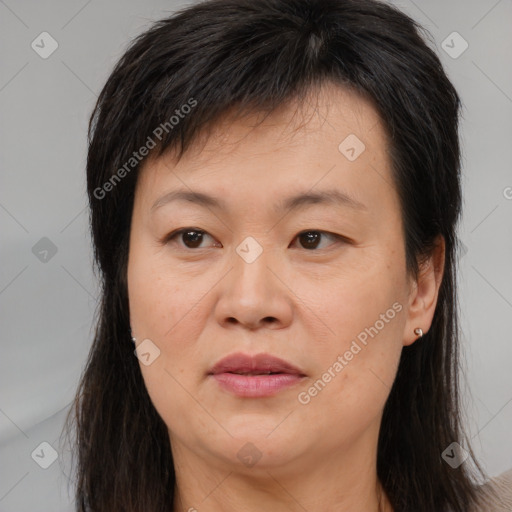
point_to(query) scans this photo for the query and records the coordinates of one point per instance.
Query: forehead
(292, 148)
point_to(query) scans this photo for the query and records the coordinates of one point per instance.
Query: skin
(200, 301)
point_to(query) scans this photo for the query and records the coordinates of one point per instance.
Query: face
(319, 283)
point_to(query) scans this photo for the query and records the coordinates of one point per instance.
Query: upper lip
(258, 363)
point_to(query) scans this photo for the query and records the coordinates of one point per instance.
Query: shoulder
(496, 494)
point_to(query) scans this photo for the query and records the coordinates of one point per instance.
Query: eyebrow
(332, 197)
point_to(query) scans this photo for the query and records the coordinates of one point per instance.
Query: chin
(261, 448)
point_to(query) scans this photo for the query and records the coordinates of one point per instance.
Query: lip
(259, 375)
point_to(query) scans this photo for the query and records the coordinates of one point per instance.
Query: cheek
(356, 371)
(162, 299)
(164, 307)
(346, 300)
(357, 329)
(169, 306)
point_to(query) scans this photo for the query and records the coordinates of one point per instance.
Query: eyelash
(171, 236)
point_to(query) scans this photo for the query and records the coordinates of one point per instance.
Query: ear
(424, 293)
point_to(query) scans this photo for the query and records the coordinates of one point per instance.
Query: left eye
(311, 239)
(193, 237)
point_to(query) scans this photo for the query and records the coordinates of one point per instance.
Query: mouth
(256, 376)
(257, 372)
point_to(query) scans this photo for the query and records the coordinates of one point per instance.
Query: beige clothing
(496, 495)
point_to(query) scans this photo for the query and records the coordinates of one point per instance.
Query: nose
(255, 295)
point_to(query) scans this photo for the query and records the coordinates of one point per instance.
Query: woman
(274, 192)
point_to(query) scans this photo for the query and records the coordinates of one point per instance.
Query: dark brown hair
(255, 56)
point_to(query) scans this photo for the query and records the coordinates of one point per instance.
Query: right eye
(190, 237)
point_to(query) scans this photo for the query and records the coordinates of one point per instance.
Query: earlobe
(424, 294)
(418, 331)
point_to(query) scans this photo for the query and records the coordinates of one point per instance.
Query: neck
(336, 483)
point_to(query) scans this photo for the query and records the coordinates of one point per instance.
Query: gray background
(48, 300)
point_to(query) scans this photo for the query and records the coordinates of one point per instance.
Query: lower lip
(254, 386)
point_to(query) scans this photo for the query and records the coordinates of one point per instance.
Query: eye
(191, 237)
(311, 239)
